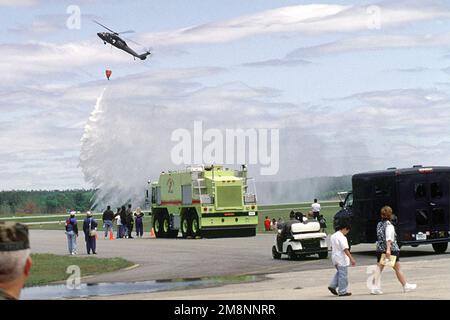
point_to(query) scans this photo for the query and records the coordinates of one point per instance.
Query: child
(341, 258)
(119, 227)
(323, 223)
(267, 224)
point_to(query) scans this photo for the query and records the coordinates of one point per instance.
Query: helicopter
(113, 38)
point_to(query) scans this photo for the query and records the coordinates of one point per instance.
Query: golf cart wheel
(275, 254)
(323, 255)
(291, 254)
(440, 247)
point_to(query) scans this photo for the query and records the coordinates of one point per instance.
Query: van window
(383, 188)
(436, 191)
(420, 191)
(349, 201)
(422, 217)
(438, 216)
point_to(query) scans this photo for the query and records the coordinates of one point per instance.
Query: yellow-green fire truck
(203, 201)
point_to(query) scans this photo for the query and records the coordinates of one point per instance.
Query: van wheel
(291, 254)
(275, 254)
(440, 247)
(323, 255)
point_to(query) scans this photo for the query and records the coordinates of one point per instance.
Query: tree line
(55, 201)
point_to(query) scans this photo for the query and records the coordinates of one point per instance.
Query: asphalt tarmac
(164, 259)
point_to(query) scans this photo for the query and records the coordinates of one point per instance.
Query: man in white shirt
(315, 209)
(341, 258)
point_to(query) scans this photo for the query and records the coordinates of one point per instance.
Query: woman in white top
(387, 244)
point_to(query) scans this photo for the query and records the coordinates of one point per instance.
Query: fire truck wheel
(194, 225)
(185, 230)
(164, 223)
(157, 225)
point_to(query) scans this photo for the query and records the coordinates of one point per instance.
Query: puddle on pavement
(119, 288)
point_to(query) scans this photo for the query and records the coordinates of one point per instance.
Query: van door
(438, 184)
(412, 206)
(423, 205)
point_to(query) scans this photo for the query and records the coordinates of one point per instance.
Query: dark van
(419, 197)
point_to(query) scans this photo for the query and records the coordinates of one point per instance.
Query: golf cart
(300, 239)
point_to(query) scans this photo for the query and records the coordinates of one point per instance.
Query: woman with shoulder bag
(90, 233)
(386, 247)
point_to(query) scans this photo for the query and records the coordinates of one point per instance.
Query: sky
(351, 86)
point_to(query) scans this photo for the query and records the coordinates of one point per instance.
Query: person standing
(130, 221)
(274, 224)
(90, 233)
(123, 219)
(387, 245)
(267, 223)
(72, 233)
(341, 258)
(139, 216)
(315, 209)
(107, 218)
(118, 224)
(323, 223)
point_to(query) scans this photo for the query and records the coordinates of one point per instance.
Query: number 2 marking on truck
(170, 185)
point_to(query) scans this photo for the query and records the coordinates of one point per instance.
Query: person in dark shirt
(130, 221)
(139, 216)
(107, 218)
(72, 233)
(90, 230)
(123, 219)
(285, 230)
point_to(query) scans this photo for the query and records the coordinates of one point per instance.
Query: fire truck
(203, 201)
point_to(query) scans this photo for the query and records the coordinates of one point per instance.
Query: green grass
(273, 211)
(48, 268)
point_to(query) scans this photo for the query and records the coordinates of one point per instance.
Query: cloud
(446, 70)
(412, 70)
(277, 63)
(310, 19)
(45, 24)
(18, 3)
(372, 42)
(39, 59)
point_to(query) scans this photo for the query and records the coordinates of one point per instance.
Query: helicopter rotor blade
(104, 27)
(128, 31)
